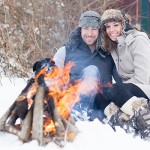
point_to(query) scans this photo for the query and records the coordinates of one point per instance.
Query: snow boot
(116, 117)
(139, 109)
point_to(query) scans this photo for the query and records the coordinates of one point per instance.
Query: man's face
(89, 36)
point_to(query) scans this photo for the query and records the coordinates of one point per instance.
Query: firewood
(60, 130)
(21, 97)
(24, 92)
(13, 117)
(25, 133)
(22, 108)
(4, 118)
(32, 127)
(71, 130)
(59, 142)
(56, 140)
(70, 119)
(21, 100)
(11, 129)
(37, 125)
(47, 140)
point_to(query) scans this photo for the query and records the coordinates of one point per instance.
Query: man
(92, 67)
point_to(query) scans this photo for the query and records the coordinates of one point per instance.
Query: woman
(130, 50)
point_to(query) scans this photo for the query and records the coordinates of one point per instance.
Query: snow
(92, 135)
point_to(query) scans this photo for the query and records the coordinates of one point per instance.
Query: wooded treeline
(31, 30)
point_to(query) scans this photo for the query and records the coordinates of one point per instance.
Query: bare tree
(31, 30)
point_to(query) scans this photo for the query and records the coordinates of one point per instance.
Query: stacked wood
(31, 127)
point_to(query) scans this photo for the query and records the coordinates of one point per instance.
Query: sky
(92, 135)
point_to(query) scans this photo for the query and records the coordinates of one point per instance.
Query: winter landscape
(92, 135)
(31, 30)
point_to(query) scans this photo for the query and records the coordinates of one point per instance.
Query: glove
(41, 64)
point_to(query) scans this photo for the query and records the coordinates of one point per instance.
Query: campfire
(45, 105)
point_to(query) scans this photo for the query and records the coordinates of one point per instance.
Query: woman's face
(113, 30)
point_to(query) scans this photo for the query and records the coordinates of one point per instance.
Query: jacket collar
(126, 38)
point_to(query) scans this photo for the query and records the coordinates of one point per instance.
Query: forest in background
(31, 30)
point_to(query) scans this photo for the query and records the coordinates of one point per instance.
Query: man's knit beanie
(90, 19)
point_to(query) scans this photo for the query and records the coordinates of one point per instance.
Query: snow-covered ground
(93, 135)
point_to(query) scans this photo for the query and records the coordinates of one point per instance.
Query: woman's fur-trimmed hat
(112, 15)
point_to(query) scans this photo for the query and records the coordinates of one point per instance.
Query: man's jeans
(89, 85)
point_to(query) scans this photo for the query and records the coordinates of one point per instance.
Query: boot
(111, 110)
(139, 109)
(116, 117)
(133, 104)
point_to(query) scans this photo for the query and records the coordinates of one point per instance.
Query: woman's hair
(106, 43)
(116, 16)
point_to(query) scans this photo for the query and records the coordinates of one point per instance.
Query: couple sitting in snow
(104, 48)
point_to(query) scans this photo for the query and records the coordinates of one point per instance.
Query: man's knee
(90, 71)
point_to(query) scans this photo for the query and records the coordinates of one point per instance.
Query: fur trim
(112, 15)
(133, 104)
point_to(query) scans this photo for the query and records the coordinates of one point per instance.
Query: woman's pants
(119, 94)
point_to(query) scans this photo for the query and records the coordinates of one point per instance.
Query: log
(21, 100)
(10, 129)
(59, 142)
(22, 108)
(60, 130)
(25, 91)
(70, 119)
(53, 139)
(25, 133)
(71, 130)
(37, 125)
(13, 117)
(4, 118)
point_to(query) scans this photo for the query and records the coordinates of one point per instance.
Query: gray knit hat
(112, 15)
(90, 19)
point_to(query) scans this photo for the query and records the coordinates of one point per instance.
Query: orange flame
(48, 126)
(65, 94)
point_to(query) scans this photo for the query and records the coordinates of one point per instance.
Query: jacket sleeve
(59, 57)
(140, 51)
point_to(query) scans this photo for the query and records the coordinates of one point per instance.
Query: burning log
(37, 126)
(21, 101)
(71, 131)
(60, 130)
(25, 132)
(11, 113)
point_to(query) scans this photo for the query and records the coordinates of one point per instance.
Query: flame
(48, 126)
(61, 90)
(65, 94)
